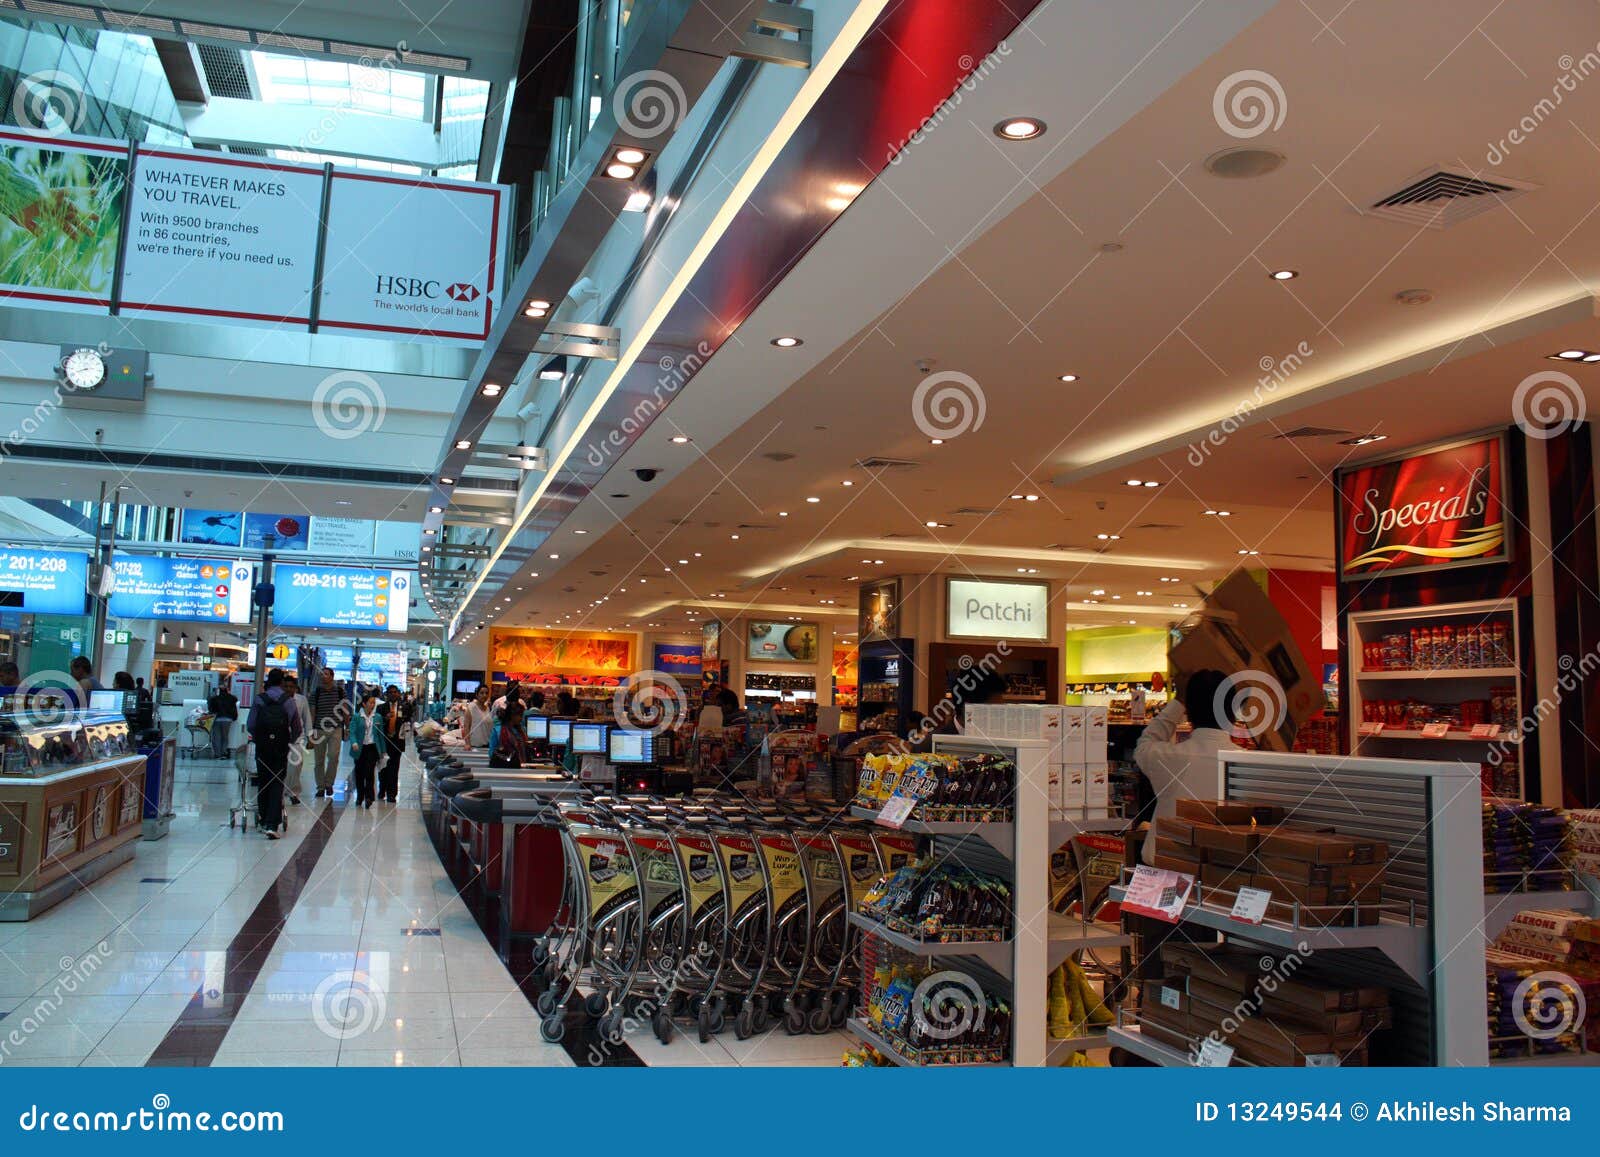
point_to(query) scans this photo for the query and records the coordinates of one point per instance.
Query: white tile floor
(101, 978)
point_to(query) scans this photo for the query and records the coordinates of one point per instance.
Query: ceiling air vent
(756, 526)
(779, 456)
(1439, 198)
(1310, 432)
(1158, 526)
(982, 511)
(882, 464)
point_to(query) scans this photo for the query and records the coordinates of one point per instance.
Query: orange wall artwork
(560, 653)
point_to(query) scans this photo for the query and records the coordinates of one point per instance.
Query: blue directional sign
(51, 582)
(206, 590)
(342, 598)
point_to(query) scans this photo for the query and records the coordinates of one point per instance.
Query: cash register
(634, 755)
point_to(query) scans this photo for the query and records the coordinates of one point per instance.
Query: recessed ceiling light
(787, 343)
(1364, 440)
(1031, 498)
(1098, 591)
(1570, 355)
(618, 171)
(1150, 484)
(1249, 552)
(435, 510)
(679, 439)
(1135, 482)
(1109, 537)
(1068, 378)
(683, 562)
(1284, 274)
(783, 514)
(813, 499)
(555, 556)
(631, 156)
(847, 482)
(735, 537)
(936, 441)
(580, 532)
(429, 530)
(850, 578)
(491, 389)
(1019, 128)
(447, 482)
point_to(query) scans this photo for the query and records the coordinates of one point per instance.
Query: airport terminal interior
(632, 533)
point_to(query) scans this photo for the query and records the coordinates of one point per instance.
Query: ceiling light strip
(822, 74)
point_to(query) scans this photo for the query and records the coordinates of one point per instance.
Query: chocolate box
(1229, 812)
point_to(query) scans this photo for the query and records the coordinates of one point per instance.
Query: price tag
(1158, 893)
(1435, 730)
(1251, 906)
(1485, 730)
(897, 811)
(1370, 729)
(1171, 997)
(1214, 1054)
(1322, 1060)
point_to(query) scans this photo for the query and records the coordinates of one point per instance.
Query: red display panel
(1439, 507)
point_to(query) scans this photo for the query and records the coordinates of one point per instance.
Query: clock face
(85, 369)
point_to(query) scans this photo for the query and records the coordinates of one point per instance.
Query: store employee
(1186, 770)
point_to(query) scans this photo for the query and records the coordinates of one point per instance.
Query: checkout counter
(72, 803)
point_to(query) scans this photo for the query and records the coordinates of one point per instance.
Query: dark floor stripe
(195, 1037)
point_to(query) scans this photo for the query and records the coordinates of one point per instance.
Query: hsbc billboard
(420, 258)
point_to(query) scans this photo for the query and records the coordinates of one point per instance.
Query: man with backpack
(274, 725)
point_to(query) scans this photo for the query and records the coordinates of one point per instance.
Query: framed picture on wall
(879, 616)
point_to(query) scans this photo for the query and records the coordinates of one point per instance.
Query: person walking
(224, 708)
(366, 736)
(392, 714)
(297, 754)
(329, 716)
(274, 725)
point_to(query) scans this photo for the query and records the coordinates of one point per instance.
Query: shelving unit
(1444, 686)
(1428, 947)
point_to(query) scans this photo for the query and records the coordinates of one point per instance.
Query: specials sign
(991, 609)
(1438, 507)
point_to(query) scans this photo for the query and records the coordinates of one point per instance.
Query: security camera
(646, 473)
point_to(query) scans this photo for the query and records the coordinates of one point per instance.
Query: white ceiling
(1169, 335)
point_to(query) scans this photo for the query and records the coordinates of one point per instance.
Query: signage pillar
(263, 611)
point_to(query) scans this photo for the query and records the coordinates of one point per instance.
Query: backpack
(272, 732)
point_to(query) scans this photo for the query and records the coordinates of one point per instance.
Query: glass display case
(42, 742)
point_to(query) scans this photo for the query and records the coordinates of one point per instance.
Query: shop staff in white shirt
(1186, 770)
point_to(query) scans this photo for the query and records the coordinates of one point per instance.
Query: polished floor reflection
(343, 944)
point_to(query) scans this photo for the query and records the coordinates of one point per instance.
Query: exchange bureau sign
(987, 609)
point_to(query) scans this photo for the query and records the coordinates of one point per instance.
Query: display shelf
(1500, 908)
(1060, 1048)
(881, 1043)
(1403, 942)
(1444, 673)
(1069, 935)
(1129, 1037)
(995, 953)
(1508, 737)
(1063, 828)
(938, 827)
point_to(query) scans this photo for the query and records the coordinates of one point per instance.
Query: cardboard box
(1053, 791)
(1074, 786)
(1240, 630)
(1225, 876)
(1052, 729)
(1073, 720)
(1287, 891)
(1181, 864)
(1210, 811)
(1316, 847)
(1179, 831)
(1098, 789)
(1096, 733)
(1166, 846)
(1239, 839)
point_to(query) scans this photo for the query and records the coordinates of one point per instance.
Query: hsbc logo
(391, 286)
(461, 291)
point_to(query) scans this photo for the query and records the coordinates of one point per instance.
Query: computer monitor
(105, 701)
(560, 732)
(538, 726)
(588, 738)
(632, 746)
